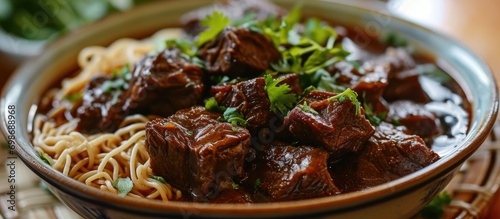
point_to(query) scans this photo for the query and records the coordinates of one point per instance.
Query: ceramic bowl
(401, 198)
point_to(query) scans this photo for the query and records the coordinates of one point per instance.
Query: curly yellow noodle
(99, 159)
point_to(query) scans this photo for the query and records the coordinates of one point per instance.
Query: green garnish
(234, 185)
(119, 81)
(396, 122)
(229, 114)
(373, 118)
(256, 185)
(435, 208)
(212, 105)
(319, 31)
(45, 158)
(348, 94)
(157, 178)
(395, 40)
(234, 117)
(215, 23)
(73, 97)
(123, 185)
(306, 108)
(281, 98)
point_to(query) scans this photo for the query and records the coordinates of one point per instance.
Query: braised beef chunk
(159, 85)
(293, 82)
(239, 52)
(233, 195)
(234, 10)
(166, 82)
(388, 155)
(250, 98)
(195, 152)
(415, 118)
(283, 173)
(406, 86)
(333, 125)
(94, 113)
(403, 82)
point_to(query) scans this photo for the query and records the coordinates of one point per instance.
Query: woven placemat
(472, 189)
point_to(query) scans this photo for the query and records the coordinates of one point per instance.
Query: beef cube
(250, 99)
(388, 155)
(239, 52)
(233, 195)
(96, 112)
(285, 173)
(165, 83)
(406, 86)
(233, 9)
(160, 85)
(333, 125)
(415, 118)
(195, 152)
(293, 82)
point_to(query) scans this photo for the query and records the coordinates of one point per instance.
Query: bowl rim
(399, 186)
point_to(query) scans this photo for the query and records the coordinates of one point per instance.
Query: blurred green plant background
(46, 19)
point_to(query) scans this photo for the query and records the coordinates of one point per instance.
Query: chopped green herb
(230, 114)
(234, 117)
(234, 185)
(157, 178)
(215, 23)
(256, 185)
(123, 185)
(327, 82)
(348, 94)
(281, 98)
(212, 105)
(319, 31)
(45, 158)
(186, 46)
(435, 208)
(434, 72)
(395, 40)
(396, 122)
(245, 20)
(306, 108)
(73, 97)
(375, 119)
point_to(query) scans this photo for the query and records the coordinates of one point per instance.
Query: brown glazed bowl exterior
(401, 198)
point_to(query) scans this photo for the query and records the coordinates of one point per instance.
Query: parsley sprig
(229, 114)
(215, 23)
(348, 94)
(281, 98)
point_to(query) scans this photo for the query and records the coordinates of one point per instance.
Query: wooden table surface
(474, 23)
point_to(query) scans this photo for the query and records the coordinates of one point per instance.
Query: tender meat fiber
(406, 86)
(250, 98)
(167, 82)
(233, 195)
(388, 155)
(415, 118)
(95, 113)
(283, 173)
(159, 85)
(239, 52)
(233, 9)
(196, 153)
(335, 127)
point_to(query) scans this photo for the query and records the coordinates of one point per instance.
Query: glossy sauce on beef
(411, 113)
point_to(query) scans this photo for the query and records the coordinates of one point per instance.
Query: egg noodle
(100, 159)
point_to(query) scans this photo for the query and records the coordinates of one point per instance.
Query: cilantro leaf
(348, 94)
(306, 108)
(45, 158)
(319, 31)
(229, 114)
(186, 46)
(123, 185)
(280, 97)
(435, 208)
(215, 23)
(234, 117)
(157, 178)
(256, 185)
(374, 118)
(212, 105)
(73, 97)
